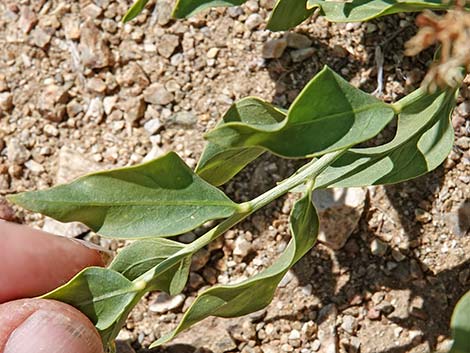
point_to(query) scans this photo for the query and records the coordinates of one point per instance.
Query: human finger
(35, 262)
(40, 325)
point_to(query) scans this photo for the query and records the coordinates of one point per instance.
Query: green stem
(408, 100)
(308, 171)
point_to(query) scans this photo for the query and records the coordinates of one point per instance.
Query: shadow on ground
(368, 273)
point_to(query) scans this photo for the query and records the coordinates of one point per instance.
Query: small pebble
(164, 303)
(378, 247)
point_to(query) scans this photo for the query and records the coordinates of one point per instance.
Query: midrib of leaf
(361, 109)
(139, 203)
(149, 259)
(109, 295)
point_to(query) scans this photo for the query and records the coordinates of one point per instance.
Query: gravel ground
(80, 91)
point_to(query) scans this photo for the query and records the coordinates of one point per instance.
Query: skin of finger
(15, 313)
(34, 262)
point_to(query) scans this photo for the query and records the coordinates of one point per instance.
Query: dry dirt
(80, 91)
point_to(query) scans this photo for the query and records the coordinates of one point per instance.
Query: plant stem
(308, 171)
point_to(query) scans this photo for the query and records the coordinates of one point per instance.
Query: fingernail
(106, 255)
(52, 332)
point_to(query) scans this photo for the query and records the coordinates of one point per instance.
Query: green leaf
(218, 164)
(135, 10)
(364, 10)
(142, 255)
(460, 324)
(103, 295)
(423, 140)
(257, 292)
(328, 115)
(187, 8)
(179, 277)
(288, 14)
(156, 199)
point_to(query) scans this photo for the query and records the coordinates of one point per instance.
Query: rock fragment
(91, 11)
(164, 303)
(373, 314)
(195, 280)
(71, 26)
(183, 118)
(73, 108)
(94, 51)
(288, 277)
(3, 83)
(212, 53)
(164, 9)
(96, 85)
(349, 324)
(6, 102)
(95, 109)
(200, 259)
(34, 166)
(51, 130)
(16, 152)
(253, 21)
(109, 103)
(133, 75)
(133, 108)
(458, 220)
(378, 247)
(7, 213)
(155, 152)
(167, 45)
(242, 246)
(274, 48)
(40, 38)
(152, 126)
(157, 94)
(28, 19)
(297, 40)
(422, 216)
(52, 103)
(300, 55)
(339, 210)
(69, 230)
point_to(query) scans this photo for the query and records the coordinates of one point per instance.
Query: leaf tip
(129, 16)
(162, 340)
(17, 199)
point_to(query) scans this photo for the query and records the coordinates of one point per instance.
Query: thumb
(39, 325)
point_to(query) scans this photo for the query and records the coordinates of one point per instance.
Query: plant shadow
(425, 299)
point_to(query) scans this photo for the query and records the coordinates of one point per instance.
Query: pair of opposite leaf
(164, 197)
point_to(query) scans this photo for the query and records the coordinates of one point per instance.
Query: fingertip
(38, 325)
(35, 262)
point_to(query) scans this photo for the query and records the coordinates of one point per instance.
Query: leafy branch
(164, 197)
